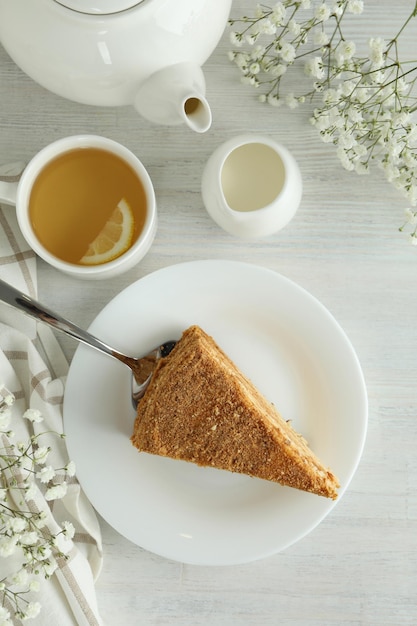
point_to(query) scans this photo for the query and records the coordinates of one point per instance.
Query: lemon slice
(114, 239)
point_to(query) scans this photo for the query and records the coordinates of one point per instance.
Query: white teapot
(147, 53)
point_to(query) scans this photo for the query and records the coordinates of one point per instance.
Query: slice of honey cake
(200, 408)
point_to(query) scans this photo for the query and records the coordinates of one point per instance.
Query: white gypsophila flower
(345, 51)
(337, 7)
(61, 545)
(46, 474)
(257, 53)
(278, 14)
(273, 100)
(327, 136)
(331, 96)
(5, 419)
(49, 567)
(259, 12)
(41, 520)
(268, 28)
(344, 159)
(21, 446)
(394, 148)
(294, 27)
(401, 118)
(44, 553)
(361, 167)
(33, 415)
(7, 545)
(346, 140)
(376, 51)
(402, 85)
(288, 52)
(242, 60)
(360, 150)
(355, 115)
(5, 617)
(41, 454)
(69, 530)
(377, 79)
(314, 68)
(410, 216)
(31, 492)
(322, 12)
(34, 585)
(236, 39)
(16, 524)
(8, 397)
(29, 538)
(348, 87)
(70, 469)
(355, 6)
(4, 613)
(291, 101)
(338, 119)
(361, 94)
(411, 194)
(321, 122)
(321, 38)
(248, 80)
(409, 158)
(3, 495)
(56, 492)
(20, 578)
(252, 37)
(278, 70)
(32, 610)
(387, 98)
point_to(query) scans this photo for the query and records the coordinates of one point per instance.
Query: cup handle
(8, 192)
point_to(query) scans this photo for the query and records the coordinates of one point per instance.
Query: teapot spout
(175, 95)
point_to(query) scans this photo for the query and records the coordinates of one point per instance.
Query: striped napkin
(17, 260)
(33, 371)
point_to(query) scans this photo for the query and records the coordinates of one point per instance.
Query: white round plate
(285, 341)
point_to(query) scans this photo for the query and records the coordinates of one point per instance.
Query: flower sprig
(25, 529)
(362, 104)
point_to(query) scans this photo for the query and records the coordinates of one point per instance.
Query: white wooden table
(359, 566)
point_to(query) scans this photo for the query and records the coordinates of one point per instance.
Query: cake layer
(199, 407)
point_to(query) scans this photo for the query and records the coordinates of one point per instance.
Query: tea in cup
(251, 186)
(86, 205)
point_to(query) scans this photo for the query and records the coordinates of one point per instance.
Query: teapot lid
(99, 7)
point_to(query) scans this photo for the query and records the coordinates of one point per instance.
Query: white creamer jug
(251, 186)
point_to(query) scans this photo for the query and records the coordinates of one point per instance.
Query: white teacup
(251, 186)
(19, 194)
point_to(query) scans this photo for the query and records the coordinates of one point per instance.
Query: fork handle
(30, 306)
